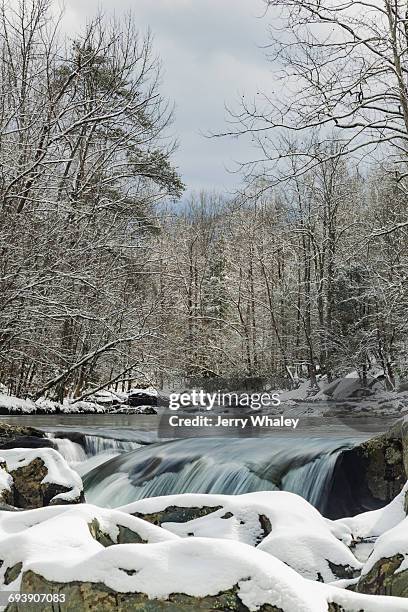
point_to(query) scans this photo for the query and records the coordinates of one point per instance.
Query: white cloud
(210, 53)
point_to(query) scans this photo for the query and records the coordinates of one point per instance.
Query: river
(121, 458)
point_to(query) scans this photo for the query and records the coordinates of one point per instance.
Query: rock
(176, 514)
(32, 485)
(139, 398)
(368, 476)
(76, 558)
(125, 535)
(385, 471)
(100, 598)
(126, 409)
(29, 492)
(11, 433)
(12, 573)
(75, 436)
(385, 571)
(402, 429)
(278, 523)
(384, 579)
(29, 441)
(274, 589)
(6, 486)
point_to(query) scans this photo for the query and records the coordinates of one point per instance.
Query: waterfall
(93, 450)
(229, 466)
(95, 445)
(313, 480)
(71, 451)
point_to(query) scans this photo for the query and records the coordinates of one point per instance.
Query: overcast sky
(211, 54)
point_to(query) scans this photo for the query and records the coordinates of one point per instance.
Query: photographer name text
(235, 422)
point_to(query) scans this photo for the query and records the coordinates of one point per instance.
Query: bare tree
(341, 69)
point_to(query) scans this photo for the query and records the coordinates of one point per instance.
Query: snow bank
(55, 518)
(10, 403)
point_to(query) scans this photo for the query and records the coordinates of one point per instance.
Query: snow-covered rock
(280, 523)
(175, 508)
(6, 485)
(40, 477)
(386, 570)
(112, 560)
(59, 555)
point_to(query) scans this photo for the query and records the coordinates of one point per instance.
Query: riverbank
(137, 401)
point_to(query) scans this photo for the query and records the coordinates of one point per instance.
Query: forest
(113, 272)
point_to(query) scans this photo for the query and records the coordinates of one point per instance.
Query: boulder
(141, 398)
(385, 579)
(280, 523)
(184, 576)
(12, 434)
(386, 569)
(26, 441)
(176, 514)
(39, 478)
(367, 476)
(6, 487)
(85, 558)
(100, 598)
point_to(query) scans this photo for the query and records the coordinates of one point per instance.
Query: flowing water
(216, 466)
(121, 459)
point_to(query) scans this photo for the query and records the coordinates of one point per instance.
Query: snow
(6, 481)
(300, 536)
(58, 471)
(184, 500)
(148, 391)
(374, 523)
(109, 521)
(303, 392)
(136, 410)
(390, 543)
(100, 402)
(15, 404)
(348, 388)
(56, 543)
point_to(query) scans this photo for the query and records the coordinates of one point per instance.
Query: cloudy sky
(211, 55)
